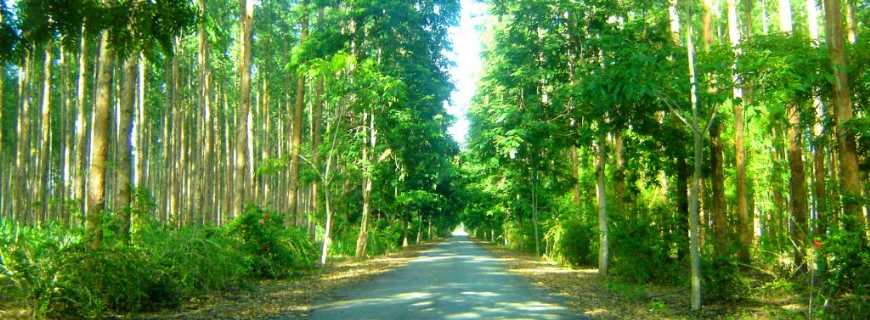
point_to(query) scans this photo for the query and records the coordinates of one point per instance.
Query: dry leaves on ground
(289, 299)
(587, 293)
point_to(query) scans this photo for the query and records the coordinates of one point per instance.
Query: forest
(157, 151)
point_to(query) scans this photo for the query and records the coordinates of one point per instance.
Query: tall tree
(850, 174)
(243, 179)
(99, 144)
(296, 143)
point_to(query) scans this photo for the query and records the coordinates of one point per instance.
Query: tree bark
(603, 241)
(126, 145)
(797, 187)
(368, 163)
(99, 146)
(619, 175)
(296, 148)
(243, 179)
(44, 141)
(694, 240)
(23, 157)
(79, 180)
(850, 174)
(744, 218)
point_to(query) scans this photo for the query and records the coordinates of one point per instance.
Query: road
(455, 280)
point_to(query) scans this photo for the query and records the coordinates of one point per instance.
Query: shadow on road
(456, 280)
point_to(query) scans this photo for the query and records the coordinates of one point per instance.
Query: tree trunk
(534, 212)
(797, 186)
(744, 220)
(575, 189)
(296, 148)
(207, 165)
(619, 175)
(850, 174)
(23, 157)
(603, 245)
(126, 146)
(79, 181)
(717, 205)
(368, 162)
(243, 179)
(694, 241)
(44, 142)
(99, 146)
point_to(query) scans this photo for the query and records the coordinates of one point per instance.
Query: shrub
(639, 252)
(272, 250)
(572, 242)
(847, 279)
(722, 281)
(190, 262)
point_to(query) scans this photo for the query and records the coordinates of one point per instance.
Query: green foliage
(640, 254)
(55, 275)
(272, 250)
(848, 258)
(573, 241)
(723, 281)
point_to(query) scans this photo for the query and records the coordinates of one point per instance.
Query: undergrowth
(50, 271)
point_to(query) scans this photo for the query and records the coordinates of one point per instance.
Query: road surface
(455, 280)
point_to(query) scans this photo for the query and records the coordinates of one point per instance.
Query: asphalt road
(455, 280)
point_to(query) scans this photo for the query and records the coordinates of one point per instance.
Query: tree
(243, 178)
(850, 175)
(99, 144)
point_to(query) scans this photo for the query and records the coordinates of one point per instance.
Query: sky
(466, 72)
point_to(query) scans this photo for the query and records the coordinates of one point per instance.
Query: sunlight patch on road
(480, 293)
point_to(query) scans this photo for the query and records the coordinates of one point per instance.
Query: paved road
(455, 280)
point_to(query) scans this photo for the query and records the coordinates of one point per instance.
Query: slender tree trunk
(79, 181)
(619, 175)
(141, 176)
(99, 145)
(575, 189)
(717, 205)
(126, 146)
(819, 192)
(44, 136)
(206, 165)
(66, 139)
(296, 148)
(851, 22)
(850, 174)
(694, 241)
(368, 160)
(244, 180)
(603, 244)
(316, 119)
(22, 160)
(744, 220)
(797, 186)
(534, 213)
(797, 179)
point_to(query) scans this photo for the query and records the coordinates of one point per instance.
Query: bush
(190, 262)
(847, 279)
(639, 253)
(571, 242)
(722, 280)
(272, 250)
(52, 272)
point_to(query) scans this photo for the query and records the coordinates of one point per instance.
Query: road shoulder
(291, 298)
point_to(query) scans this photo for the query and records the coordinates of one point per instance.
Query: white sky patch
(466, 73)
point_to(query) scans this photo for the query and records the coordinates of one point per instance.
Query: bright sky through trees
(466, 72)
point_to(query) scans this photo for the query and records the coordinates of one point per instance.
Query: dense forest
(693, 142)
(152, 151)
